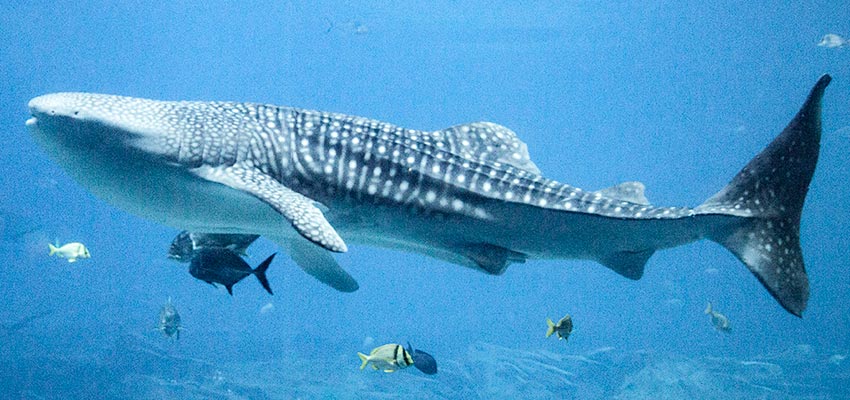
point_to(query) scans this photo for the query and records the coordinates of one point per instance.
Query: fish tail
(53, 249)
(551, 325)
(708, 308)
(260, 272)
(363, 358)
(767, 197)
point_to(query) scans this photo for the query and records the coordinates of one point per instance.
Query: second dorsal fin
(626, 191)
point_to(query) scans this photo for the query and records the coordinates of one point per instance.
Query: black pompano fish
(185, 244)
(422, 360)
(223, 266)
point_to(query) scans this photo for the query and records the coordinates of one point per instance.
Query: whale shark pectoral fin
(627, 191)
(318, 263)
(490, 258)
(300, 210)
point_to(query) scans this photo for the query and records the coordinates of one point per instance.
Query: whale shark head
(76, 127)
(124, 150)
(139, 155)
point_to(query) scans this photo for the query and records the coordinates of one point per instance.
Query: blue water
(678, 95)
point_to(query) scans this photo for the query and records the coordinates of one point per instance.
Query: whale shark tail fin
(769, 194)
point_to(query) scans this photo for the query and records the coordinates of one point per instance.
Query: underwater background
(677, 95)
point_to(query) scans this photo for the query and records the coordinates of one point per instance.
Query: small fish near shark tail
(769, 194)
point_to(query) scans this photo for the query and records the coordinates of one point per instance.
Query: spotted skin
(468, 194)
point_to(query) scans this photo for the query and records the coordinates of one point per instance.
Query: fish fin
(551, 325)
(768, 194)
(489, 142)
(389, 371)
(708, 308)
(229, 289)
(319, 264)
(260, 273)
(72, 259)
(53, 249)
(490, 258)
(300, 210)
(627, 263)
(632, 192)
(364, 358)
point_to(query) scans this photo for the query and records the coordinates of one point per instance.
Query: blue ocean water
(677, 95)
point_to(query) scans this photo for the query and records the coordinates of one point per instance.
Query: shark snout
(56, 105)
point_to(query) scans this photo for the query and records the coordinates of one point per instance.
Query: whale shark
(469, 194)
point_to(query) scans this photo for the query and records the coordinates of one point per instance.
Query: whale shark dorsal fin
(300, 210)
(627, 191)
(318, 263)
(490, 143)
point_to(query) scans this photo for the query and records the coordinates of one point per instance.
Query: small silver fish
(832, 41)
(389, 358)
(563, 328)
(72, 251)
(169, 321)
(720, 321)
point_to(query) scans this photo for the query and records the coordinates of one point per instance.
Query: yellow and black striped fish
(563, 328)
(389, 358)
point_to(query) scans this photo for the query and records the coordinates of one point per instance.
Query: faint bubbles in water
(843, 132)
(269, 307)
(832, 41)
(33, 244)
(347, 27)
(47, 183)
(674, 303)
(836, 359)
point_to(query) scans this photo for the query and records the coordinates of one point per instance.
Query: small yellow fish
(563, 328)
(389, 357)
(71, 251)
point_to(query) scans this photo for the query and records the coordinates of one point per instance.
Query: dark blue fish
(223, 266)
(422, 360)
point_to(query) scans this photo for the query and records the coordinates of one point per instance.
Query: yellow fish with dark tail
(389, 357)
(563, 328)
